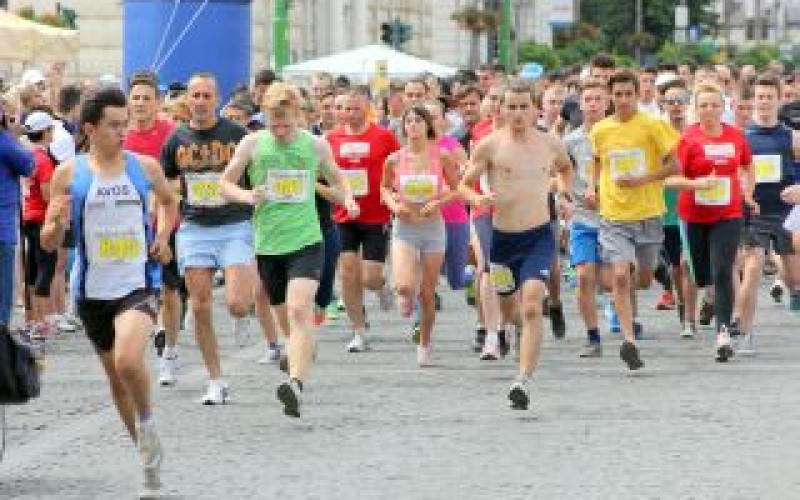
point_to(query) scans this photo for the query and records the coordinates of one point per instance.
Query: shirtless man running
(523, 244)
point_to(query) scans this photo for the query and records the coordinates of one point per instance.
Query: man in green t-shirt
(282, 164)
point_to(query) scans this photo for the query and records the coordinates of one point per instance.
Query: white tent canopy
(359, 64)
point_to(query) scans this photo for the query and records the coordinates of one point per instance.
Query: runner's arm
(796, 144)
(478, 166)
(56, 219)
(335, 177)
(164, 197)
(388, 196)
(565, 172)
(229, 183)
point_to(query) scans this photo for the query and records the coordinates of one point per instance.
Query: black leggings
(712, 254)
(40, 266)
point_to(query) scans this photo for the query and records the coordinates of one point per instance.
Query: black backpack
(19, 374)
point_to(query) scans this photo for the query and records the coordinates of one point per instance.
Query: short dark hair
(675, 83)
(650, 70)
(143, 77)
(668, 67)
(265, 77)
(624, 76)
(468, 90)
(768, 80)
(69, 97)
(603, 61)
(93, 108)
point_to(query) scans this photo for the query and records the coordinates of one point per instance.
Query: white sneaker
(424, 355)
(357, 344)
(724, 349)
(241, 331)
(218, 393)
(150, 455)
(746, 345)
(688, 332)
(64, 323)
(386, 298)
(271, 355)
(490, 352)
(166, 370)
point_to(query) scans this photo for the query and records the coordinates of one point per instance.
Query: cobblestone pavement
(375, 426)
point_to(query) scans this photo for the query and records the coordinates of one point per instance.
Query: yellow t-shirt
(630, 149)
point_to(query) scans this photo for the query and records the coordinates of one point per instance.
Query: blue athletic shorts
(214, 247)
(584, 246)
(528, 255)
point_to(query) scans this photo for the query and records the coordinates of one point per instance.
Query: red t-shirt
(361, 157)
(34, 205)
(699, 155)
(479, 131)
(149, 142)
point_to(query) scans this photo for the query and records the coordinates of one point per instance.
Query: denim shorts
(214, 247)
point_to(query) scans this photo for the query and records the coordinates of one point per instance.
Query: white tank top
(114, 239)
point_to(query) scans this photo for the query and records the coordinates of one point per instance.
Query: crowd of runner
(136, 200)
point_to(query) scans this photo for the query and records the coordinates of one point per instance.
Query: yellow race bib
(358, 180)
(718, 195)
(203, 189)
(419, 188)
(627, 163)
(767, 168)
(502, 278)
(288, 186)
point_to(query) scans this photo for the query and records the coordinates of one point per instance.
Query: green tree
(617, 18)
(758, 56)
(541, 53)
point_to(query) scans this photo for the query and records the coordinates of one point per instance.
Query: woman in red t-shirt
(40, 266)
(716, 179)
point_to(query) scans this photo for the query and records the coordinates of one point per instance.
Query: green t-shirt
(671, 201)
(288, 220)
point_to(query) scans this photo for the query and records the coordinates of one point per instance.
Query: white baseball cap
(32, 77)
(38, 121)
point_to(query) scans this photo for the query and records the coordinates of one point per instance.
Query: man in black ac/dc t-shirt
(214, 234)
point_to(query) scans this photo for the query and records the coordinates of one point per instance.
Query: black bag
(19, 373)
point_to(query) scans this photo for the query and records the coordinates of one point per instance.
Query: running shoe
(332, 312)
(519, 395)
(424, 355)
(776, 292)
(271, 355)
(289, 394)
(706, 313)
(357, 343)
(218, 393)
(65, 323)
(724, 349)
(151, 454)
(592, 350)
(480, 340)
(689, 331)
(666, 302)
(557, 321)
(386, 298)
(490, 352)
(629, 353)
(167, 366)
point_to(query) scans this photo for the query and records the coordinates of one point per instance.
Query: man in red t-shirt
(146, 136)
(360, 149)
(40, 266)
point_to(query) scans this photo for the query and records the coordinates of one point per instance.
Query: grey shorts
(635, 242)
(767, 231)
(429, 237)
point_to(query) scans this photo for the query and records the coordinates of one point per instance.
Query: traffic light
(387, 33)
(403, 32)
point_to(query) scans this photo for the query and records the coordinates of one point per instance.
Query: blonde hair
(707, 88)
(281, 99)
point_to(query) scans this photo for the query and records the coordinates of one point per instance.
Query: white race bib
(502, 278)
(287, 186)
(719, 152)
(419, 188)
(767, 168)
(719, 195)
(354, 151)
(203, 189)
(112, 245)
(358, 180)
(627, 163)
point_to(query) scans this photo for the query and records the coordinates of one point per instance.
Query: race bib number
(627, 163)
(767, 168)
(288, 186)
(717, 195)
(719, 152)
(354, 151)
(203, 190)
(358, 180)
(502, 278)
(114, 246)
(420, 188)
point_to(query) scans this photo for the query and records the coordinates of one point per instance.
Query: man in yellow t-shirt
(634, 153)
